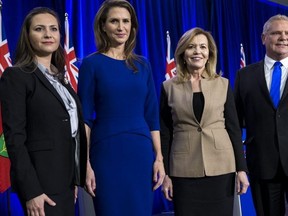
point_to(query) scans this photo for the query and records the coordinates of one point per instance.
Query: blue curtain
(230, 22)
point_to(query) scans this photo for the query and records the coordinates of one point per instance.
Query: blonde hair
(182, 71)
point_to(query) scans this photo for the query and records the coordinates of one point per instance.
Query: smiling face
(118, 26)
(44, 34)
(197, 53)
(275, 40)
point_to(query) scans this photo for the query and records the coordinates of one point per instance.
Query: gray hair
(272, 19)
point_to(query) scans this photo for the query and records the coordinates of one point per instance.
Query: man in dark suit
(266, 123)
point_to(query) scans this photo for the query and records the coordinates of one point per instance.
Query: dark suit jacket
(267, 127)
(37, 132)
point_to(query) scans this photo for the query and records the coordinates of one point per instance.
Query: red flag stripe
(4, 174)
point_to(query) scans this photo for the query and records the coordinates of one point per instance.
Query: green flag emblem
(3, 149)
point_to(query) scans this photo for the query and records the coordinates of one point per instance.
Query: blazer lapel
(206, 90)
(189, 100)
(72, 92)
(48, 85)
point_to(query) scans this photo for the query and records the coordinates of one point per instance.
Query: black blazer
(266, 127)
(37, 133)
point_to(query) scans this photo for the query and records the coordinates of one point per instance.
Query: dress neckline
(120, 60)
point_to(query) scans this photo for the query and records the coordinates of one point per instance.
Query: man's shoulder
(253, 67)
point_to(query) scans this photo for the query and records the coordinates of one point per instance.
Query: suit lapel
(263, 85)
(48, 85)
(72, 92)
(285, 92)
(260, 76)
(261, 79)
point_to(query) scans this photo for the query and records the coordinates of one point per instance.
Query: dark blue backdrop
(230, 22)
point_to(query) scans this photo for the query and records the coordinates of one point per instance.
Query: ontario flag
(242, 57)
(5, 62)
(170, 63)
(70, 56)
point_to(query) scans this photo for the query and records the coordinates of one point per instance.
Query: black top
(198, 105)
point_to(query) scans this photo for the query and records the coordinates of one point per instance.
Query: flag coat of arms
(5, 62)
(70, 56)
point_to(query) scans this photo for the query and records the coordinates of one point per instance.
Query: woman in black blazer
(42, 120)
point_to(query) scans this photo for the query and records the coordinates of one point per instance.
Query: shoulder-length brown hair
(25, 54)
(182, 71)
(102, 41)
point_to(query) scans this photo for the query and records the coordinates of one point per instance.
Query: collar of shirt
(45, 70)
(269, 62)
(268, 68)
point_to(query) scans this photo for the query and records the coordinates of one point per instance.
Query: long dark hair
(25, 54)
(101, 39)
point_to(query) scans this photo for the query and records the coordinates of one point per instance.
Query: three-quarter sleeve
(86, 91)
(151, 109)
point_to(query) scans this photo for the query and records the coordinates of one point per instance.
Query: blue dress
(121, 108)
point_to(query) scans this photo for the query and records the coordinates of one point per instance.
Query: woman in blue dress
(120, 109)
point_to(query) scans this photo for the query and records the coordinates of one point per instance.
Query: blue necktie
(275, 84)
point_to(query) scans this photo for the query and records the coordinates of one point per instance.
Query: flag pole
(170, 63)
(70, 57)
(66, 30)
(168, 45)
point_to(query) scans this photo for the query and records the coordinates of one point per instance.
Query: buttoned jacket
(266, 126)
(37, 132)
(210, 147)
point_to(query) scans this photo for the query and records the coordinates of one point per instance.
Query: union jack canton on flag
(70, 56)
(5, 60)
